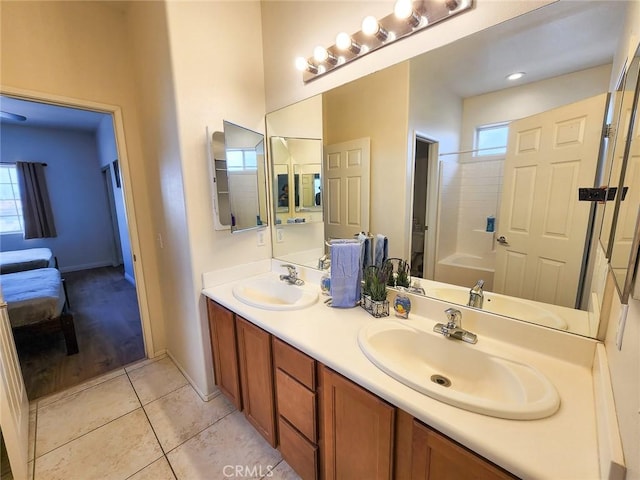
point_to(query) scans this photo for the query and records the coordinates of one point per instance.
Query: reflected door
(346, 169)
(542, 224)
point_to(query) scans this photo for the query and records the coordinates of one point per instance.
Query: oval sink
(528, 311)
(271, 293)
(458, 373)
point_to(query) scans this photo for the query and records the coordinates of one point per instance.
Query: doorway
(106, 296)
(423, 203)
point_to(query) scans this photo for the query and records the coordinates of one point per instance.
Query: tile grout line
(200, 431)
(164, 454)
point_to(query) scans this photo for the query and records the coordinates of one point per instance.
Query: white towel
(381, 250)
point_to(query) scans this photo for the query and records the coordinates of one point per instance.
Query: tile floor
(142, 422)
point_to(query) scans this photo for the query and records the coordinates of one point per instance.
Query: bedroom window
(10, 202)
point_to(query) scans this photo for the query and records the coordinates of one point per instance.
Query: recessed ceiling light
(515, 76)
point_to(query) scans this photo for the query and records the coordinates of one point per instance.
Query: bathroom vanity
(302, 380)
(362, 436)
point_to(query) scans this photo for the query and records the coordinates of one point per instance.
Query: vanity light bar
(389, 29)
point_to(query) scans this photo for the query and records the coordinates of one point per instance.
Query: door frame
(121, 146)
(107, 177)
(433, 169)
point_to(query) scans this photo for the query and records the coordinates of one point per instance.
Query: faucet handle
(289, 267)
(454, 316)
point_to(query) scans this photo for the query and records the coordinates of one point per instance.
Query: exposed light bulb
(403, 9)
(344, 42)
(515, 76)
(370, 25)
(320, 54)
(301, 64)
(304, 66)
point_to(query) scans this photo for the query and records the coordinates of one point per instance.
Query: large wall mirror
(238, 175)
(436, 183)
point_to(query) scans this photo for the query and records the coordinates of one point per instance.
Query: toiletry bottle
(491, 223)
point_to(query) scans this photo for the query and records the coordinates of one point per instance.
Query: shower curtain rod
(470, 151)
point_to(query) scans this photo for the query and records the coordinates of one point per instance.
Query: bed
(36, 299)
(28, 259)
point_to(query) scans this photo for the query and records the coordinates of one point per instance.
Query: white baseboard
(130, 279)
(204, 396)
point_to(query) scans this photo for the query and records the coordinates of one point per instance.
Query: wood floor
(107, 320)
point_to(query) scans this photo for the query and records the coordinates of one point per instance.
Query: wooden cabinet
(357, 430)
(222, 330)
(256, 376)
(295, 375)
(325, 425)
(243, 367)
(436, 457)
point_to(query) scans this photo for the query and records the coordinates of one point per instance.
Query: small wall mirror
(238, 179)
(297, 179)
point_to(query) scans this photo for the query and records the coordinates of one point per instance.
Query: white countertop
(562, 446)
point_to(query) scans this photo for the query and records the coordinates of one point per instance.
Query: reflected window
(10, 202)
(491, 140)
(238, 160)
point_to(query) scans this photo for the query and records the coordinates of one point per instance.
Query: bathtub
(465, 270)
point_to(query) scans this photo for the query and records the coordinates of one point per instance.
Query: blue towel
(381, 250)
(345, 274)
(367, 250)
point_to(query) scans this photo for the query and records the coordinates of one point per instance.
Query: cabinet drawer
(297, 451)
(297, 404)
(295, 363)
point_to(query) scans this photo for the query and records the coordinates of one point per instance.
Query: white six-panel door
(14, 405)
(346, 179)
(549, 156)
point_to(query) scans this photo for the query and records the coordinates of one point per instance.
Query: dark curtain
(36, 208)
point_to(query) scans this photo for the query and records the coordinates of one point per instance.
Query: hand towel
(345, 274)
(367, 250)
(381, 250)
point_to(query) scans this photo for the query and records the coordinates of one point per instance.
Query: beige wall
(212, 83)
(294, 28)
(80, 50)
(377, 107)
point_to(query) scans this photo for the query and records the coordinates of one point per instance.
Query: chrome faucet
(453, 328)
(292, 277)
(324, 262)
(476, 295)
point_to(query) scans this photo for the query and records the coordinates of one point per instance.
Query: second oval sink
(458, 373)
(270, 293)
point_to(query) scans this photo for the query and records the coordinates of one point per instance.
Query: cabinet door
(357, 430)
(256, 374)
(436, 457)
(222, 329)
